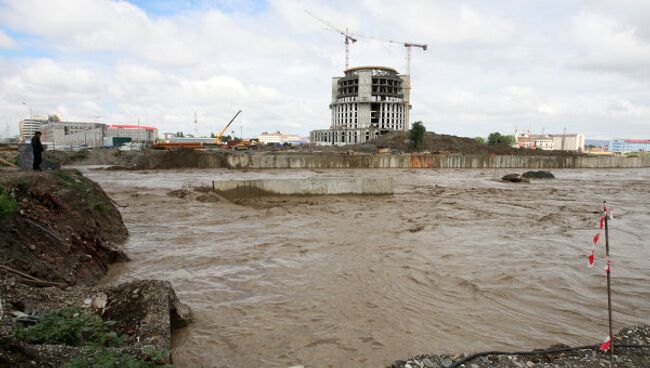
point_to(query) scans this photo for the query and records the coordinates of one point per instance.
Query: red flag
(606, 345)
(591, 258)
(596, 237)
(602, 221)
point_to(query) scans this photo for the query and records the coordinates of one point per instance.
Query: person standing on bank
(38, 151)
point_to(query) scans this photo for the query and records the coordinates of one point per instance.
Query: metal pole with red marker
(608, 268)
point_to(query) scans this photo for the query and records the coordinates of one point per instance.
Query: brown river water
(454, 261)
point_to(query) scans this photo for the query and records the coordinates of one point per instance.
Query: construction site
(376, 243)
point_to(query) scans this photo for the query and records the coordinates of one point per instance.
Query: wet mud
(455, 260)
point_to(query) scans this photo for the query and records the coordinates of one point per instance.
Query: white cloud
(608, 44)
(488, 67)
(6, 41)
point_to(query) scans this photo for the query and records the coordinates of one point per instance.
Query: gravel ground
(586, 357)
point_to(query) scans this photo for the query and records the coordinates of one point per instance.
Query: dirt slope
(64, 227)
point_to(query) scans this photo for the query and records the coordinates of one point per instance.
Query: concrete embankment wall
(343, 185)
(388, 161)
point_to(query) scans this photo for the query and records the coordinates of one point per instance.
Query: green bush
(79, 155)
(8, 205)
(497, 138)
(416, 134)
(102, 358)
(70, 181)
(71, 326)
(100, 206)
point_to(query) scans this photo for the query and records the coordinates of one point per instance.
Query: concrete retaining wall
(343, 185)
(387, 161)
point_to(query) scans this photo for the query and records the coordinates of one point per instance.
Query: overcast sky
(491, 65)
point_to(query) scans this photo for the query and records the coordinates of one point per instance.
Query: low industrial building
(367, 102)
(556, 142)
(629, 145)
(69, 135)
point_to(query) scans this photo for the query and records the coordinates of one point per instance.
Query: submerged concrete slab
(338, 185)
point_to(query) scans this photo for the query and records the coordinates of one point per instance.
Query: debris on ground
(134, 318)
(514, 178)
(631, 349)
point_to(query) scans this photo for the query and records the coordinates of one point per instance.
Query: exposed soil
(141, 160)
(59, 228)
(65, 228)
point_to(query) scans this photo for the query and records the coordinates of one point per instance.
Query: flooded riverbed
(453, 261)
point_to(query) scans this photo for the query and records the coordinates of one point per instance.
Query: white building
(366, 102)
(557, 142)
(27, 127)
(68, 134)
(277, 137)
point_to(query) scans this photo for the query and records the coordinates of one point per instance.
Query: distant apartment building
(629, 145)
(27, 127)
(277, 137)
(557, 142)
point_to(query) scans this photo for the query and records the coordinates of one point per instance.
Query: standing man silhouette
(37, 147)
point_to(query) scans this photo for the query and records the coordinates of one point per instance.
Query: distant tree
(212, 135)
(255, 140)
(497, 138)
(226, 138)
(479, 140)
(416, 134)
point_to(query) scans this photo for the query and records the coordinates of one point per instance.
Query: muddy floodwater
(454, 261)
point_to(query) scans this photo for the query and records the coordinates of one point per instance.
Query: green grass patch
(100, 207)
(8, 204)
(79, 155)
(71, 181)
(102, 358)
(71, 326)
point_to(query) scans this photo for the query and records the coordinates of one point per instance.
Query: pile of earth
(631, 349)
(441, 143)
(58, 226)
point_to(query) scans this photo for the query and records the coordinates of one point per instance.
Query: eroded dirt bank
(59, 232)
(63, 227)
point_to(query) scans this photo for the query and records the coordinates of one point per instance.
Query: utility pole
(196, 126)
(30, 109)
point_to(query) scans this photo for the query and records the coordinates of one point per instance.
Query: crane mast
(348, 38)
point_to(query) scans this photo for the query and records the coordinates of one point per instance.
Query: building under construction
(367, 102)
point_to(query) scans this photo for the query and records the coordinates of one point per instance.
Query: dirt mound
(441, 143)
(58, 226)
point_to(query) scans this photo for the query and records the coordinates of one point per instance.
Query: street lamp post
(30, 109)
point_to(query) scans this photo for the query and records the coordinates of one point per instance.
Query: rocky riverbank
(631, 349)
(59, 232)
